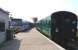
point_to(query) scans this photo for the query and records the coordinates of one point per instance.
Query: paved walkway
(32, 40)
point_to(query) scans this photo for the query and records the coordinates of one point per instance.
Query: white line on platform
(61, 48)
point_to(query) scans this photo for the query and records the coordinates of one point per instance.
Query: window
(2, 27)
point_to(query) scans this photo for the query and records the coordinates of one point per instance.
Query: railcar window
(67, 20)
(57, 30)
(74, 22)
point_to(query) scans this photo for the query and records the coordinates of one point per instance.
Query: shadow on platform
(12, 45)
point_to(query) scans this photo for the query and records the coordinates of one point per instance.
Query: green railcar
(45, 26)
(60, 27)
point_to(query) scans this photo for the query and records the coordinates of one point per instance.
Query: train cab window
(67, 20)
(73, 22)
(72, 30)
(57, 30)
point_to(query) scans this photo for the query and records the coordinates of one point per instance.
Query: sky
(27, 9)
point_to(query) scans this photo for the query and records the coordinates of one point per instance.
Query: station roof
(6, 12)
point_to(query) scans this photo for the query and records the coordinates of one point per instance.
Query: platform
(31, 40)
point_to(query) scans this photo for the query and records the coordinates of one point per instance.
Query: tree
(35, 19)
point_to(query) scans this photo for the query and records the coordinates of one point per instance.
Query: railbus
(61, 27)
